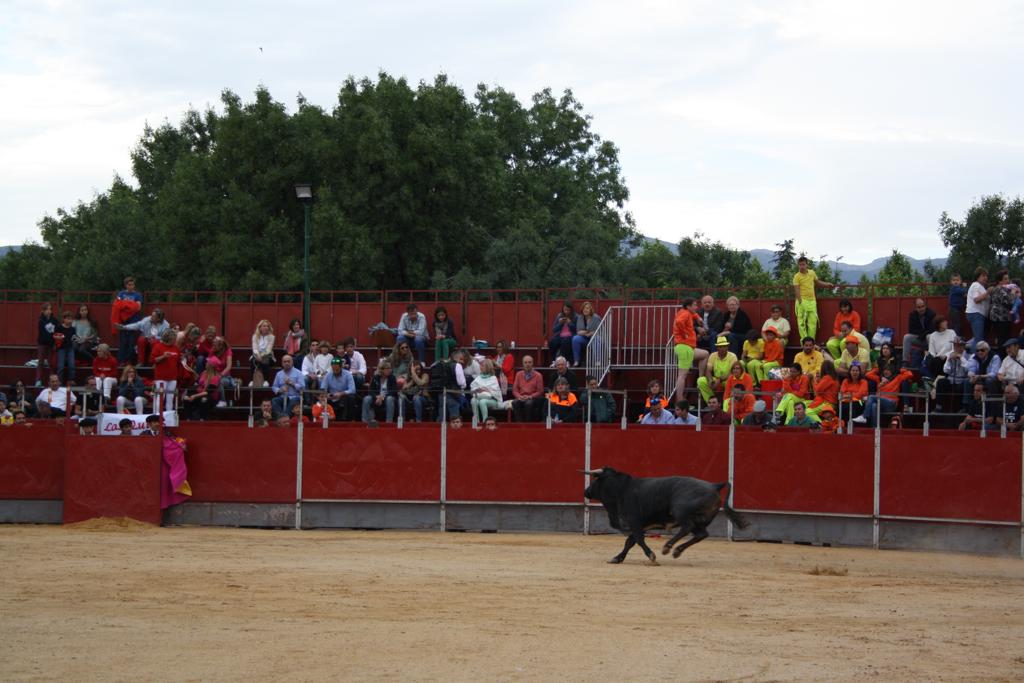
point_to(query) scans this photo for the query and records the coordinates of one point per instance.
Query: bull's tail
(735, 517)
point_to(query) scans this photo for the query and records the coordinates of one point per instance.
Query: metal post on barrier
(547, 421)
(699, 420)
(925, 427)
(984, 406)
(586, 461)
(401, 411)
(1002, 427)
(444, 457)
(732, 463)
(876, 506)
(252, 419)
(298, 458)
(1022, 497)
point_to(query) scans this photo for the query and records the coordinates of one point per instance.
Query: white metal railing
(631, 336)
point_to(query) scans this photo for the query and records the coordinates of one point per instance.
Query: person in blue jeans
(64, 342)
(288, 385)
(562, 332)
(977, 307)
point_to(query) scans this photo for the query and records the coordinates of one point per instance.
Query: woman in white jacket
(940, 345)
(486, 391)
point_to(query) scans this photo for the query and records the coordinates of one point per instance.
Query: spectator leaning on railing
(151, 329)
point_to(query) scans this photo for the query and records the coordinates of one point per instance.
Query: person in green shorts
(718, 368)
(804, 282)
(684, 335)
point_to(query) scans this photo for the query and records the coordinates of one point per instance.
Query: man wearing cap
(847, 331)
(1011, 370)
(804, 282)
(341, 390)
(954, 387)
(853, 352)
(718, 368)
(759, 416)
(412, 327)
(987, 368)
(288, 385)
(658, 415)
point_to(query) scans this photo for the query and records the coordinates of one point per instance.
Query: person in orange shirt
(796, 387)
(684, 335)
(322, 405)
(889, 387)
(736, 377)
(563, 402)
(826, 392)
(845, 314)
(741, 403)
(773, 354)
(854, 390)
(830, 424)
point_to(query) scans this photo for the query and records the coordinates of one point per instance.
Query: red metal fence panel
(32, 462)
(19, 315)
(112, 477)
(244, 310)
(662, 450)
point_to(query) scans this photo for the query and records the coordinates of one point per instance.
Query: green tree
(784, 261)
(990, 235)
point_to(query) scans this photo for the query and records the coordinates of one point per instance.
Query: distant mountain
(848, 272)
(4, 250)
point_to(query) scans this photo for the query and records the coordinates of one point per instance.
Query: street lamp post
(304, 193)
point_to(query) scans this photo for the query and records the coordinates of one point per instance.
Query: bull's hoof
(665, 548)
(677, 552)
(615, 560)
(653, 562)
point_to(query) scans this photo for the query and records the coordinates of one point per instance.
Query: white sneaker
(860, 419)
(266, 384)
(222, 404)
(250, 383)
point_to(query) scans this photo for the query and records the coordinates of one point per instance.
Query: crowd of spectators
(741, 370)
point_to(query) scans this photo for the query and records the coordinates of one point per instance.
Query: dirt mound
(110, 524)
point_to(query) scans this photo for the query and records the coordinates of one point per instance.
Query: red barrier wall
(802, 472)
(240, 318)
(516, 464)
(19, 320)
(32, 462)
(662, 450)
(229, 463)
(112, 477)
(355, 463)
(951, 477)
(827, 309)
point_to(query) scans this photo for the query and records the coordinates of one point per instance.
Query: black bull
(635, 504)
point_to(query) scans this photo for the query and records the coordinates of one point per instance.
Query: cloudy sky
(847, 126)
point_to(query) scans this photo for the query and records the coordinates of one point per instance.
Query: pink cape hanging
(174, 487)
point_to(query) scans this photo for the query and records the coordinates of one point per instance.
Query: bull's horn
(590, 472)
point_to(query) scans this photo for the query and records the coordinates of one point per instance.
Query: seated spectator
(682, 414)
(954, 386)
(1011, 369)
(414, 391)
(796, 389)
(262, 353)
(470, 365)
(596, 405)
(447, 379)
(341, 389)
(940, 344)
(657, 415)
(887, 398)
(287, 387)
(323, 408)
(1012, 415)
(587, 322)
(774, 352)
(46, 327)
(718, 369)
(713, 323)
(104, 368)
(383, 392)
(826, 392)
(490, 424)
(758, 415)
(527, 393)
(800, 418)
(737, 376)
(222, 351)
(486, 391)
(64, 343)
(714, 415)
(283, 421)
(444, 334)
(86, 335)
(18, 400)
(165, 357)
(131, 389)
(205, 347)
(21, 418)
(125, 426)
(920, 323)
(455, 422)
(562, 372)
(154, 426)
(562, 332)
(151, 329)
(505, 366)
(353, 360)
(265, 417)
(319, 364)
(753, 349)
(55, 401)
(737, 325)
(308, 367)
(200, 400)
(829, 423)
(1001, 303)
(87, 426)
(741, 403)
(846, 314)
(853, 353)
(297, 414)
(401, 358)
(562, 402)
(6, 416)
(780, 324)
(296, 343)
(654, 392)
(412, 328)
(854, 390)
(979, 415)
(90, 404)
(810, 358)
(862, 341)
(986, 369)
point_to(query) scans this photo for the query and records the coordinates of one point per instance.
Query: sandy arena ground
(108, 602)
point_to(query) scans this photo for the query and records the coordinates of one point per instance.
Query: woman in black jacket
(737, 324)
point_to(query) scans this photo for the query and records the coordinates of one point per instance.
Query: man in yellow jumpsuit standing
(804, 282)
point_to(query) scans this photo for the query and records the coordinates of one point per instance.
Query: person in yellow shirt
(810, 358)
(853, 352)
(753, 349)
(804, 282)
(718, 368)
